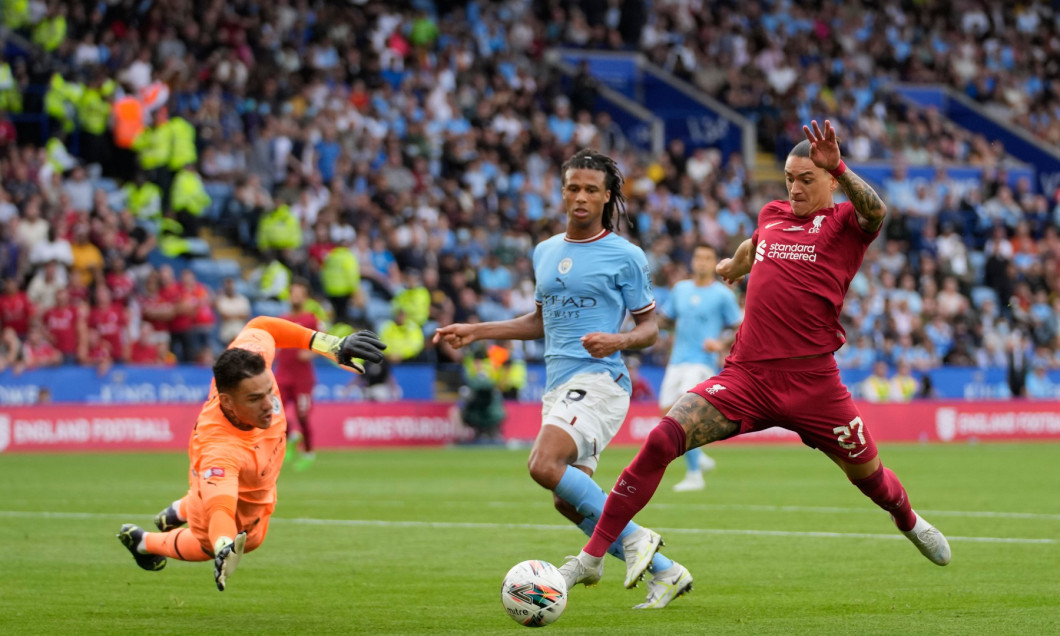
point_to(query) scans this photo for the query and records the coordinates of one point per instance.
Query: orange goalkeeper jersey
(227, 461)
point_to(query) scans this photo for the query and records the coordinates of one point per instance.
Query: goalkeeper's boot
(168, 519)
(929, 541)
(584, 569)
(665, 586)
(130, 536)
(640, 547)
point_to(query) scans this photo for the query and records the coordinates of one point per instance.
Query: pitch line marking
(981, 514)
(444, 525)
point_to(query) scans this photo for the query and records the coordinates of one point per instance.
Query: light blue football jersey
(699, 313)
(585, 287)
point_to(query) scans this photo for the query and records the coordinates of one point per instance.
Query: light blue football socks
(579, 490)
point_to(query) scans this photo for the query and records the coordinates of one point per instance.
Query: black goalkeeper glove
(363, 344)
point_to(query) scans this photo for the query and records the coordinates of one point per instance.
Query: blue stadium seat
(212, 272)
(107, 185)
(377, 310)
(982, 294)
(269, 308)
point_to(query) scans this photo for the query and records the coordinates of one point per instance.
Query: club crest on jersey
(714, 389)
(210, 473)
(817, 222)
(277, 406)
(565, 265)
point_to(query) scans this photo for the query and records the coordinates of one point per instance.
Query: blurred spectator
(149, 349)
(16, 309)
(96, 352)
(404, 339)
(481, 407)
(63, 325)
(904, 387)
(877, 387)
(109, 325)
(38, 352)
(1038, 386)
(193, 324)
(87, 264)
(10, 350)
(233, 310)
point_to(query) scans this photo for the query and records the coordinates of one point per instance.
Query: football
(534, 593)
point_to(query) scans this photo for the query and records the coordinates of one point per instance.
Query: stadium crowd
(406, 161)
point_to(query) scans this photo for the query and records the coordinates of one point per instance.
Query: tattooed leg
(702, 421)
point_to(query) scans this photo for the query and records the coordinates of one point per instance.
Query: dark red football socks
(884, 489)
(637, 484)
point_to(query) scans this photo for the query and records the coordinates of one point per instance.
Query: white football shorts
(679, 378)
(591, 407)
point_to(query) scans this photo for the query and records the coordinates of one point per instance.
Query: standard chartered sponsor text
(113, 430)
(793, 252)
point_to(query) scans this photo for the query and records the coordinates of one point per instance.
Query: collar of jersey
(604, 232)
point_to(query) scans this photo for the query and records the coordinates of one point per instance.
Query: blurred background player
(237, 448)
(782, 369)
(700, 309)
(587, 279)
(296, 376)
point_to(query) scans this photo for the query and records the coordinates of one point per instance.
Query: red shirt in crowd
(61, 325)
(38, 354)
(111, 322)
(155, 304)
(182, 300)
(121, 285)
(16, 311)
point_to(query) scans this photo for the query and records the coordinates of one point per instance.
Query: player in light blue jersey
(701, 310)
(587, 280)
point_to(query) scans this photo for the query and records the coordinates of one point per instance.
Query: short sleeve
(635, 283)
(849, 217)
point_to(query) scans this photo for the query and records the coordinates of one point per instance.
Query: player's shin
(887, 492)
(637, 483)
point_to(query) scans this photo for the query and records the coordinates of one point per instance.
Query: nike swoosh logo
(773, 223)
(618, 493)
(852, 455)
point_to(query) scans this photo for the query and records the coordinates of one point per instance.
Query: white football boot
(584, 568)
(929, 541)
(640, 546)
(667, 585)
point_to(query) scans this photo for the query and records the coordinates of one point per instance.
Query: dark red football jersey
(289, 369)
(799, 278)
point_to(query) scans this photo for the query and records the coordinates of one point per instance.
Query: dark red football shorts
(802, 395)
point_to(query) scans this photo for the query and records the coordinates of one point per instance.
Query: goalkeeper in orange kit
(236, 450)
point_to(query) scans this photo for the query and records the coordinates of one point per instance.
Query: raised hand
(824, 149)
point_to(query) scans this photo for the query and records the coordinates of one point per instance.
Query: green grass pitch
(417, 541)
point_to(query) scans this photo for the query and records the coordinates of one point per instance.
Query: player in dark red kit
(295, 375)
(781, 371)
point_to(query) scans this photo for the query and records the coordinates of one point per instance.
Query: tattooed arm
(868, 205)
(824, 152)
